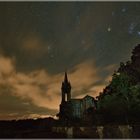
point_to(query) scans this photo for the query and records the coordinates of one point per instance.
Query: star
(131, 28)
(78, 19)
(49, 47)
(109, 29)
(138, 32)
(83, 42)
(113, 13)
(52, 56)
(123, 9)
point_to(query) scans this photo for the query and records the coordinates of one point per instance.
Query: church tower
(66, 89)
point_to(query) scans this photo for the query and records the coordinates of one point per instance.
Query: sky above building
(39, 41)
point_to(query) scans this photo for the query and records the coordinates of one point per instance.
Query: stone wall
(107, 131)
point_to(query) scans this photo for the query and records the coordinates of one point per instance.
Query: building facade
(71, 108)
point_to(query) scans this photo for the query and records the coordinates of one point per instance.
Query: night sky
(40, 40)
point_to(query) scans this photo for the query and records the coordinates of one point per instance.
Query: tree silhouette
(122, 96)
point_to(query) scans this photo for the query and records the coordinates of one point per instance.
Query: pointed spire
(65, 78)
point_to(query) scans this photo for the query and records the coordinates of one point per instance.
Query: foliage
(120, 100)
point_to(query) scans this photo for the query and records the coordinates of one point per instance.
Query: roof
(76, 99)
(80, 99)
(87, 96)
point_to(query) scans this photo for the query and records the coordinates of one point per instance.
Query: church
(71, 108)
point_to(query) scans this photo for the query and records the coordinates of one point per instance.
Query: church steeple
(66, 78)
(66, 89)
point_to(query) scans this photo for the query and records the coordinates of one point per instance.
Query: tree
(122, 96)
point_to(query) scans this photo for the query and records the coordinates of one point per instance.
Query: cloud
(32, 44)
(93, 91)
(6, 65)
(42, 89)
(101, 81)
(85, 74)
(111, 67)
